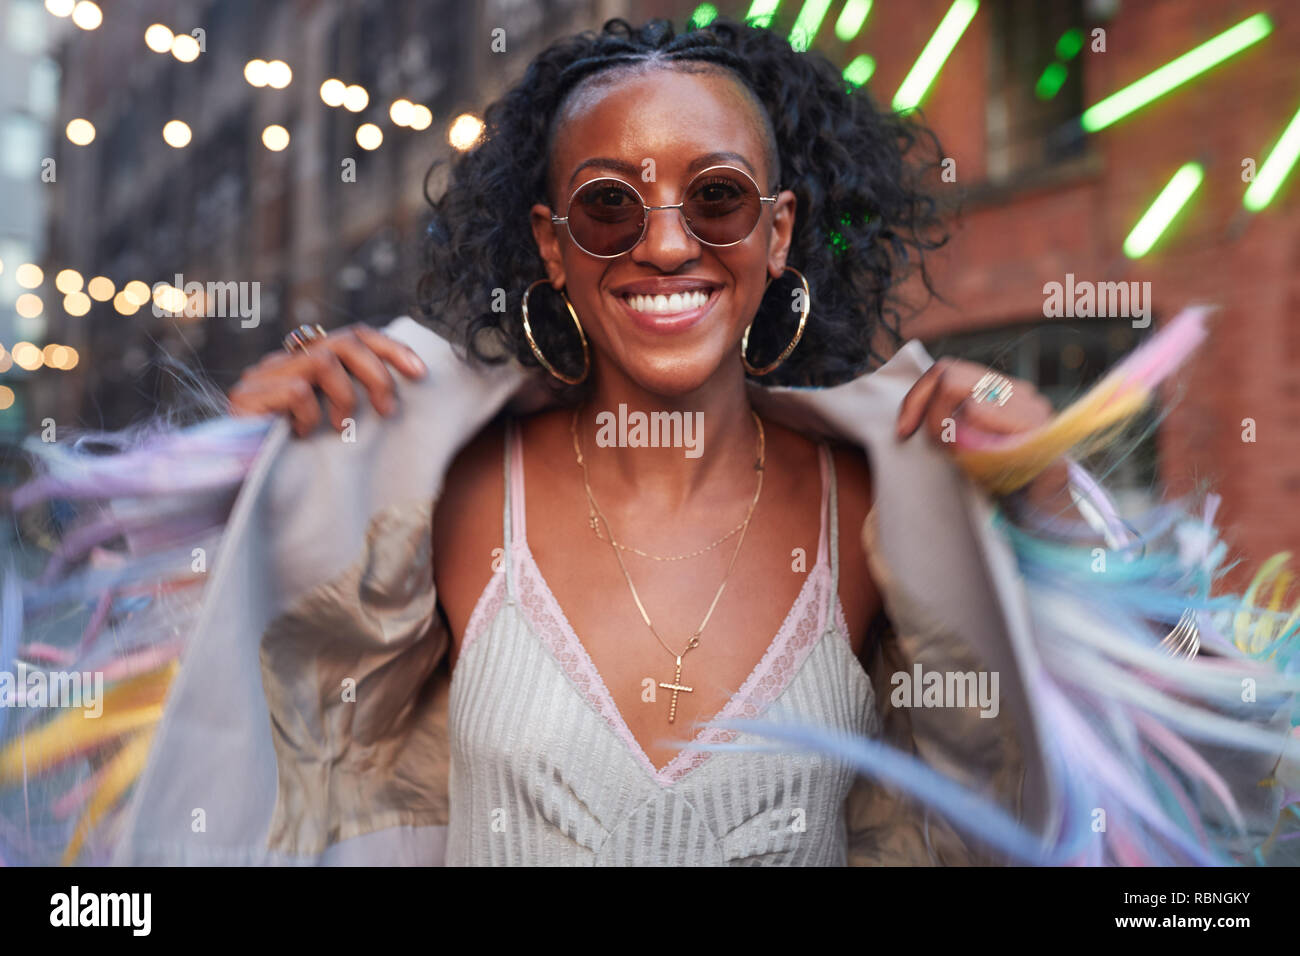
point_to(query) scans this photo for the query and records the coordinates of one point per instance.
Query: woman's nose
(666, 241)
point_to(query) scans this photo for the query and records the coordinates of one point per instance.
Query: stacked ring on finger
(993, 387)
(301, 337)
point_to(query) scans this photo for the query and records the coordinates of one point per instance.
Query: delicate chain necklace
(594, 524)
(676, 686)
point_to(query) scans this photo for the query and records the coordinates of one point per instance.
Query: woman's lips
(663, 323)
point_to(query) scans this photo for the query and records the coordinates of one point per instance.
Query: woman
(594, 615)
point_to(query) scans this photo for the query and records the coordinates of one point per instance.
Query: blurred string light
(81, 132)
(414, 116)
(935, 54)
(355, 98)
(369, 136)
(1275, 168)
(136, 292)
(60, 8)
(1167, 205)
(177, 134)
(275, 138)
(332, 92)
(807, 23)
(87, 15)
(464, 131)
(860, 70)
(1176, 72)
(100, 288)
(273, 73)
(185, 48)
(27, 356)
(76, 303)
(29, 275)
(6, 393)
(158, 38)
(68, 281)
(852, 17)
(703, 15)
(29, 306)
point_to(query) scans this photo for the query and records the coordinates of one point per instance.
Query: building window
(21, 137)
(1064, 360)
(1035, 84)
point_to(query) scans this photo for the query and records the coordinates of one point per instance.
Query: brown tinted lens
(722, 206)
(605, 217)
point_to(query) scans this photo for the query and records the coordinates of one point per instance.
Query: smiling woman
(550, 659)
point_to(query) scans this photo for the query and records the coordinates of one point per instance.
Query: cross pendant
(675, 686)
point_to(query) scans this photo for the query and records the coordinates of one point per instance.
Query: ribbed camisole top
(545, 772)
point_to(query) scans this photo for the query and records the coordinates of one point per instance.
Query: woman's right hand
(287, 382)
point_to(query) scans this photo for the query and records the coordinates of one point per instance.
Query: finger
(372, 373)
(293, 397)
(913, 407)
(328, 373)
(391, 350)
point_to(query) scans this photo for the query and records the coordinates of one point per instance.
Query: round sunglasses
(607, 217)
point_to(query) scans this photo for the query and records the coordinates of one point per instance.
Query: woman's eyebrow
(632, 169)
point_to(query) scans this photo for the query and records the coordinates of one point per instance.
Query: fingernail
(414, 364)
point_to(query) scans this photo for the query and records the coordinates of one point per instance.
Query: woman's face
(663, 127)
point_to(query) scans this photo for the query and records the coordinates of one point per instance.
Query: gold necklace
(594, 524)
(676, 686)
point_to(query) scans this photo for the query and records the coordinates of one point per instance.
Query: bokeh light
(278, 74)
(29, 275)
(355, 98)
(421, 117)
(400, 112)
(464, 131)
(158, 38)
(76, 303)
(87, 15)
(27, 356)
(185, 48)
(255, 72)
(275, 138)
(332, 92)
(136, 292)
(29, 306)
(177, 134)
(100, 288)
(369, 136)
(81, 132)
(68, 281)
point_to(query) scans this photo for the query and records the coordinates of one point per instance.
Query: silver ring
(993, 387)
(301, 337)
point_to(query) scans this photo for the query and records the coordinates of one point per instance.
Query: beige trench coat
(323, 576)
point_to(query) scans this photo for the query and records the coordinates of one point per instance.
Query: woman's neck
(669, 447)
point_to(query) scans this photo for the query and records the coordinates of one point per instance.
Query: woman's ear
(547, 237)
(778, 248)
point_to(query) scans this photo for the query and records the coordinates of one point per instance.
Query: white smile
(668, 304)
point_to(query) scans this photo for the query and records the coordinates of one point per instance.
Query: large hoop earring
(803, 322)
(532, 343)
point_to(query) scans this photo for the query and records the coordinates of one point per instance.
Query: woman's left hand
(944, 392)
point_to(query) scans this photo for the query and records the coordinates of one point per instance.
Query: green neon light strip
(860, 70)
(761, 12)
(704, 14)
(851, 19)
(1280, 162)
(1176, 72)
(808, 23)
(1050, 83)
(935, 54)
(1167, 205)
(1069, 45)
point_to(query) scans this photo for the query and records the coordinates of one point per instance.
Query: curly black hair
(863, 217)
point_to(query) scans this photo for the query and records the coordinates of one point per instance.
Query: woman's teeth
(668, 304)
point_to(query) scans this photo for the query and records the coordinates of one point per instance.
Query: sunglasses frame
(645, 218)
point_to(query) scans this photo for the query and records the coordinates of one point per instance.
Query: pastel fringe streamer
(1184, 768)
(113, 592)
(1162, 760)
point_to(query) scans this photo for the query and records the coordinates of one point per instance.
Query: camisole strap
(513, 531)
(830, 530)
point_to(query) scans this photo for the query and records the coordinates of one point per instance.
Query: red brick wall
(1005, 248)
